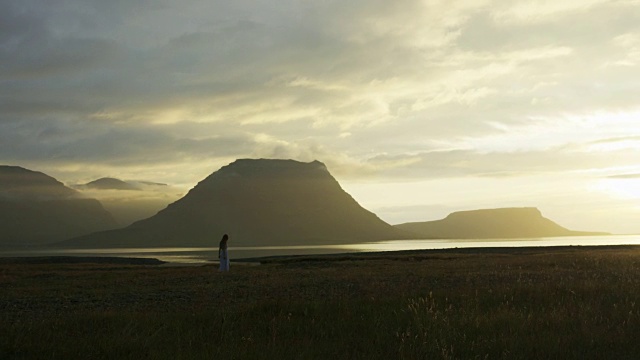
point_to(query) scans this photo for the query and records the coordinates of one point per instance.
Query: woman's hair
(223, 242)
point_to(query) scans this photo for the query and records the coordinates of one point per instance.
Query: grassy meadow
(546, 303)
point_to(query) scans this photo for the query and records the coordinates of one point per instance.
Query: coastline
(329, 257)
(45, 260)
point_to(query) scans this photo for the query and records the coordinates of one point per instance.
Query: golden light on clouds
(467, 103)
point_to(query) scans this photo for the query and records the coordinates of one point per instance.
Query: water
(209, 254)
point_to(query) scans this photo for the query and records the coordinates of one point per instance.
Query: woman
(223, 254)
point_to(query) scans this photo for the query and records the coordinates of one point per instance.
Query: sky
(418, 108)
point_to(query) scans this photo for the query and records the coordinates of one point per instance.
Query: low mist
(141, 201)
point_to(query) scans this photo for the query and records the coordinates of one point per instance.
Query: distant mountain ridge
(257, 202)
(501, 223)
(108, 183)
(37, 209)
(17, 183)
(130, 200)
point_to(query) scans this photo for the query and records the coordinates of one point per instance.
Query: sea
(204, 255)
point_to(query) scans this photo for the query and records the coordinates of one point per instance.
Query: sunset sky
(418, 108)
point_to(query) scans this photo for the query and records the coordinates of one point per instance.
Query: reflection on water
(397, 245)
(210, 254)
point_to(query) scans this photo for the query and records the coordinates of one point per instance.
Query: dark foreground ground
(537, 303)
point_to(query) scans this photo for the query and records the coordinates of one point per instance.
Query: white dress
(224, 260)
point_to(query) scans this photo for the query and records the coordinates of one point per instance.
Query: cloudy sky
(418, 108)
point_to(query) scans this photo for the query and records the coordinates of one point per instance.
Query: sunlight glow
(626, 189)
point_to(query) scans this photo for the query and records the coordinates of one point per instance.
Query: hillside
(491, 223)
(37, 209)
(257, 202)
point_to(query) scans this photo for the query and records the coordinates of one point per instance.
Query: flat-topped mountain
(257, 202)
(37, 209)
(491, 224)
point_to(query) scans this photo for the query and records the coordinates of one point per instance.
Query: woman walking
(223, 254)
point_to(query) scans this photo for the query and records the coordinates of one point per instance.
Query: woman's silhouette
(223, 254)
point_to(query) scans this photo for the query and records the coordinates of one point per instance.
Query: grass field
(552, 303)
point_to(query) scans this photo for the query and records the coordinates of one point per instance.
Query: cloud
(629, 43)
(61, 142)
(242, 70)
(528, 11)
(30, 50)
(238, 69)
(624, 176)
(439, 88)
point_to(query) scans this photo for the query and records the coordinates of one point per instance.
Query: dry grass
(513, 304)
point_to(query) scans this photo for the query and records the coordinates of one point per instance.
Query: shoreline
(345, 256)
(398, 254)
(47, 260)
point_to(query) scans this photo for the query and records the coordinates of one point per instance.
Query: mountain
(37, 209)
(109, 184)
(257, 202)
(491, 224)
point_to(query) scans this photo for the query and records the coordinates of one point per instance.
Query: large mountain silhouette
(37, 209)
(491, 224)
(257, 202)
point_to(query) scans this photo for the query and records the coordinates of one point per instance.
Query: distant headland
(504, 223)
